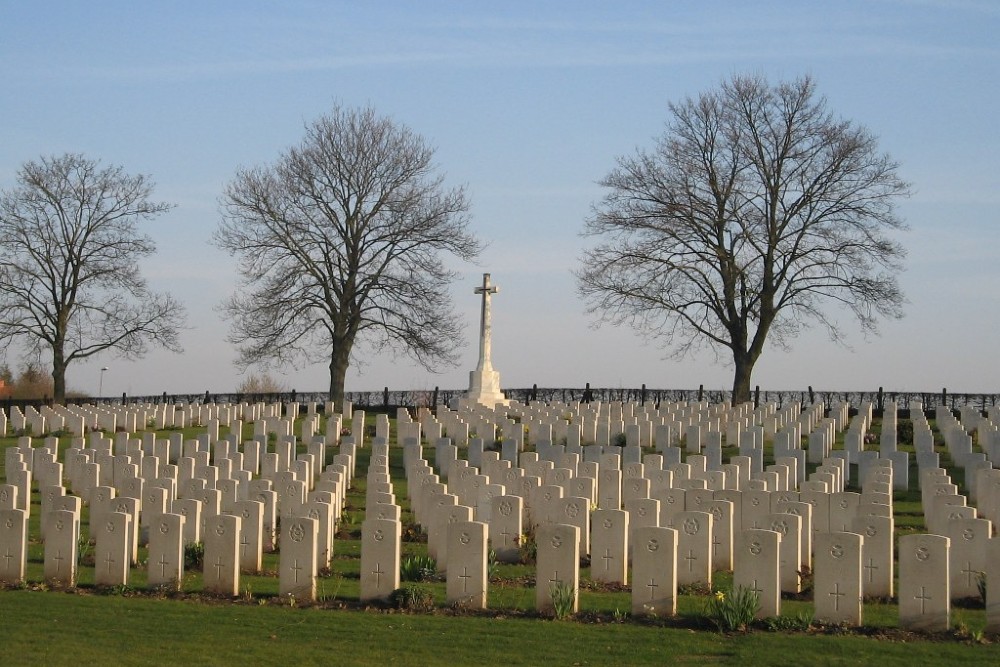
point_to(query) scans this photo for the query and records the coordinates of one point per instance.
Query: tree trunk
(741, 377)
(58, 376)
(339, 360)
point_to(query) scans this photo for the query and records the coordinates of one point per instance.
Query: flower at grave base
(720, 596)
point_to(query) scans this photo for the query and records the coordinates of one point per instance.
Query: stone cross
(484, 382)
(485, 327)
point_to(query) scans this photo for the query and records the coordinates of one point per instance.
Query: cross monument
(484, 382)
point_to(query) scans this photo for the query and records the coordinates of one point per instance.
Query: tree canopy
(340, 241)
(70, 248)
(756, 210)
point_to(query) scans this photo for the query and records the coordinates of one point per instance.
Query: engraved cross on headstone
(871, 567)
(607, 557)
(163, 562)
(836, 594)
(970, 573)
(923, 597)
(59, 558)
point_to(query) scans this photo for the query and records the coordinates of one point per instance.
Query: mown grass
(55, 629)
(138, 626)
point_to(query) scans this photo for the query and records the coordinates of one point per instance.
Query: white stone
(877, 562)
(756, 568)
(694, 548)
(484, 382)
(505, 527)
(62, 533)
(837, 586)
(297, 564)
(967, 556)
(654, 564)
(609, 543)
(380, 559)
(13, 544)
(924, 599)
(558, 564)
(222, 559)
(112, 551)
(466, 583)
(166, 552)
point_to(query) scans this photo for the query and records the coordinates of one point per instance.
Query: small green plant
(527, 549)
(84, 551)
(194, 556)
(981, 585)
(619, 440)
(324, 596)
(563, 599)
(733, 611)
(418, 568)
(247, 594)
(347, 524)
(492, 564)
(619, 616)
(412, 598)
(799, 622)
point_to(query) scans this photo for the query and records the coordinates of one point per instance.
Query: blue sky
(528, 104)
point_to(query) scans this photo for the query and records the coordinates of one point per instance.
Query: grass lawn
(47, 628)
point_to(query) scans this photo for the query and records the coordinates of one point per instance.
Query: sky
(528, 105)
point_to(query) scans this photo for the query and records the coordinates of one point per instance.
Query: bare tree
(339, 242)
(69, 264)
(262, 383)
(756, 209)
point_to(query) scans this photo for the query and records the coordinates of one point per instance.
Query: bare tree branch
(755, 208)
(69, 273)
(340, 241)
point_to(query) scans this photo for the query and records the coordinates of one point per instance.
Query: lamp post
(100, 388)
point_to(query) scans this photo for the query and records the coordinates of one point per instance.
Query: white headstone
(924, 599)
(654, 565)
(837, 587)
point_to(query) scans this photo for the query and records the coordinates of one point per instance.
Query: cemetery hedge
(136, 625)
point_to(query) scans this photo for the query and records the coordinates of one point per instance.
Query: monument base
(484, 388)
